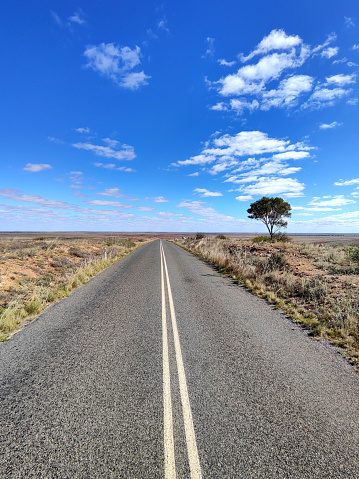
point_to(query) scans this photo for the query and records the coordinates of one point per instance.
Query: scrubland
(317, 285)
(35, 272)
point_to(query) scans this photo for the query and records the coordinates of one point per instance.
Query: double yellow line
(169, 449)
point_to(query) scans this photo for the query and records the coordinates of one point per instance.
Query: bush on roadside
(200, 236)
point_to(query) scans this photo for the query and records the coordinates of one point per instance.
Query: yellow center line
(192, 450)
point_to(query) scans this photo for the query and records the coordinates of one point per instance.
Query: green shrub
(200, 236)
(261, 239)
(221, 237)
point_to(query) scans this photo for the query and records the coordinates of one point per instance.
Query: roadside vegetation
(37, 272)
(317, 285)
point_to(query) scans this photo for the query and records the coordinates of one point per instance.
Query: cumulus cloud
(288, 92)
(117, 63)
(82, 130)
(267, 186)
(117, 151)
(329, 126)
(354, 181)
(341, 80)
(330, 52)
(236, 157)
(146, 208)
(35, 167)
(338, 200)
(160, 199)
(247, 89)
(227, 148)
(112, 166)
(200, 208)
(115, 192)
(77, 17)
(324, 97)
(117, 204)
(206, 193)
(225, 63)
(276, 40)
(17, 195)
(244, 198)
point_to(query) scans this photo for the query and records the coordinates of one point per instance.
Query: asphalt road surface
(159, 368)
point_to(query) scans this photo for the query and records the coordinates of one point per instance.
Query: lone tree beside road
(271, 212)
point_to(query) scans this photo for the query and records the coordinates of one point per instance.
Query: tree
(271, 211)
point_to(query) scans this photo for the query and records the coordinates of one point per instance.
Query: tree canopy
(271, 211)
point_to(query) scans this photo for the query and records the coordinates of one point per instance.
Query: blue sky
(175, 116)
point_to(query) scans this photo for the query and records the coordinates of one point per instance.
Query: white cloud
(146, 208)
(200, 208)
(224, 152)
(83, 130)
(349, 22)
(35, 167)
(352, 101)
(288, 92)
(279, 53)
(324, 97)
(125, 153)
(355, 181)
(251, 79)
(162, 25)
(160, 199)
(224, 62)
(77, 18)
(115, 192)
(210, 47)
(341, 80)
(318, 209)
(117, 204)
(291, 155)
(240, 105)
(17, 195)
(206, 193)
(116, 63)
(194, 174)
(329, 126)
(352, 64)
(330, 52)
(338, 200)
(56, 17)
(55, 140)
(244, 198)
(112, 166)
(331, 38)
(338, 62)
(275, 186)
(276, 40)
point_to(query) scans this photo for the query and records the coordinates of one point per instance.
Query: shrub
(200, 236)
(221, 237)
(281, 237)
(77, 252)
(261, 239)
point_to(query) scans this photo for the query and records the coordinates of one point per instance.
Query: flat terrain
(99, 236)
(160, 363)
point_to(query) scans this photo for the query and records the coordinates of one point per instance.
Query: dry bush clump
(36, 272)
(317, 285)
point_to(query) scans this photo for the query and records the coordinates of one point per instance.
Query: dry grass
(35, 272)
(317, 285)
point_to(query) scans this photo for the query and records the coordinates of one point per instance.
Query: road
(160, 367)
